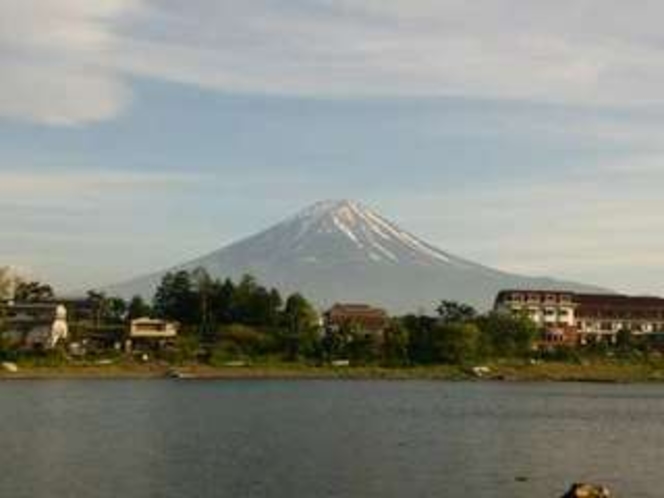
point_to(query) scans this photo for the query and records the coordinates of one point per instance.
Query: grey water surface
(310, 439)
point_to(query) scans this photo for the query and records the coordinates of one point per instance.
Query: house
(34, 325)
(570, 318)
(361, 317)
(151, 332)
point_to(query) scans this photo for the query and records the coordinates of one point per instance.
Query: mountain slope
(342, 251)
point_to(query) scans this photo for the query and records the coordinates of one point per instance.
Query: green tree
(97, 302)
(299, 319)
(266, 307)
(242, 340)
(334, 345)
(138, 308)
(453, 312)
(456, 343)
(362, 348)
(115, 310)
(222, 300)
(626, 342)
(395, 345)
(203, 289)
(243, 300)
(420, 338)
(259, 307)
(507, 336)
(33, 292)
(175, 299)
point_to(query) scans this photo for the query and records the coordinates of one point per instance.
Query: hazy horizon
(137, 134)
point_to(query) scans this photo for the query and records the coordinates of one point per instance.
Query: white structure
(586, 317)
(548, 309)
(150, 333)
(59, 328)
(36, 324)
(151, 328)
(602, 316)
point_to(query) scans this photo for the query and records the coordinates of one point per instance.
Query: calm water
(291, 439)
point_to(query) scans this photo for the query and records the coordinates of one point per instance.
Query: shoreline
(600, 372)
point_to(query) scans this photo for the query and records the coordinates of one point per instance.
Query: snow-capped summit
(368, 234)
(342, 251)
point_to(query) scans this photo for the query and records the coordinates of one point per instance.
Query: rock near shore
(587, 491)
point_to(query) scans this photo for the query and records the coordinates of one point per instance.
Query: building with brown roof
(362, 317)
(586, 317)
(599, 316)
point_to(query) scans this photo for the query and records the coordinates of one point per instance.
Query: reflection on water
(325, 439)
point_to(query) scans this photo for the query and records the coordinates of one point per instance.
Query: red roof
(363, 315)
(619, 300)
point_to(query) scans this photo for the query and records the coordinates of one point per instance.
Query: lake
(311, 439)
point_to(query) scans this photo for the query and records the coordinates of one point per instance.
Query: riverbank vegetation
(243, 328)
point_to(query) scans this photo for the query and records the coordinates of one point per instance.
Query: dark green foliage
(460, 335)
(334, 346)
(138, 308)
(242, 319)
(395, 345)
(246, 303)
(362, 348)
(453, 312)
(565, 354)
(420, 338)
(106, 310)
(242, 341)
(625, 340)
(115, 310)
(455, 343)
(176, 299)
(507, 336)
(33, 292)
(299, 320)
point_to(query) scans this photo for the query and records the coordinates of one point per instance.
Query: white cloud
(22, 186)
(591, 52)
(69, 61)
(55, 60)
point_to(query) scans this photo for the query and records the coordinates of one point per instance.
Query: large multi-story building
(600, 315)
(553, 311)
(572, 317)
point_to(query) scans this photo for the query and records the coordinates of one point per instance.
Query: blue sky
(136, 134)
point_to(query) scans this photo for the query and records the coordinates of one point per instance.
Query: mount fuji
(341, 251)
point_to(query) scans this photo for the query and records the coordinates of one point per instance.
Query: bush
(456, 343)
(246, 341)
(396, 345)
(567, 354)
(507, 336)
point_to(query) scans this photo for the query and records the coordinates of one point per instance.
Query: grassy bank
(596, 371)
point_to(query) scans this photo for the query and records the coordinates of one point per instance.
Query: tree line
(249, 320)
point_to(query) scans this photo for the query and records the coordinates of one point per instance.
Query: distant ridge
(342, 251)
